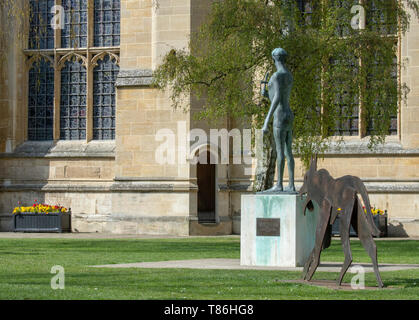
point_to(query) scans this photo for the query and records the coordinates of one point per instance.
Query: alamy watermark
(182, 146)
(358, 281)
(58, 20)
(58, 281)
(358, 20)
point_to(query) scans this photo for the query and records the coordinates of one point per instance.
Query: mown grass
(25, 266)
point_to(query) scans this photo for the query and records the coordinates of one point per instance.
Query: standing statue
(279, 90)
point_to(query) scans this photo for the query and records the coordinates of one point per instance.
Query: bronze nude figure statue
(332, 196)
(279, 90)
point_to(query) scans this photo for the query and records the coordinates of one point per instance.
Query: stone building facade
(82, 132)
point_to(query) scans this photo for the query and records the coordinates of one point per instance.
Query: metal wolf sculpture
(333, 195)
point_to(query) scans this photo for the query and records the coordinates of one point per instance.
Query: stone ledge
(372, 187)
(392, 187)
(117, 216)
(175, 186)
(224, 227)
(133, 186)
(360, 148)
(131, 218)
(105, 186)
(235, 187)
(54, 188)
(220, 219)
(63, 149)
(134, 78)
(154, 179)
(403, 220)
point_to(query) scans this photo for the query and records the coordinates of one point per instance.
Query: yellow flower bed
(40, 208)
(374, 211)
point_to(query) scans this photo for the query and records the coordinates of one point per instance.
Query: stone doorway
(206, 179)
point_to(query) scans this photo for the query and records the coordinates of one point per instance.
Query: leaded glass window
(83, 111)
(305, 6)
(301, 4)
(73, 101)
(344, 16)
(104, 77)
(306, 9)
(389, 102)
(107, 23)
(349, 123)
(74, 34)
(382, 18)
(41, 101)
(41, 35)
(392, 130)
(346, 94)
(393, 125)
(349, 102)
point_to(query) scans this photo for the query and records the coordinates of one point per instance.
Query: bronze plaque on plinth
(267, 227)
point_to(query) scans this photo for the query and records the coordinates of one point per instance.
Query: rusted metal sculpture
(333, 196)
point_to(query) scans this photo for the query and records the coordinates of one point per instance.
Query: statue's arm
(274, 104)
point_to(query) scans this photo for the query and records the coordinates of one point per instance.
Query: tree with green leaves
(343, 76)
(13, 15)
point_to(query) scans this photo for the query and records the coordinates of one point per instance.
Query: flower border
(40, 208)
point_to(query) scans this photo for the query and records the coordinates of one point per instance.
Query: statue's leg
(280, 136)
(364, 235)
(290, 160)
(345, 227)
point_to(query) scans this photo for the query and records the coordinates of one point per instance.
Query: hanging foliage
(337, 68)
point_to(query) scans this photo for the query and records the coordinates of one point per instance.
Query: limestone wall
(76, 175)
(148, 32)
(409, 51)
(145, 198)
(12, 93)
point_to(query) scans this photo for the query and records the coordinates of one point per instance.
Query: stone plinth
(275, 231)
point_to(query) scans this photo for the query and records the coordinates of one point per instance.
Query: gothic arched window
(104, 77)
(74, 34)
(107, 23)
(84, 51)
(41, 101)
(41, 35)
(73, 101)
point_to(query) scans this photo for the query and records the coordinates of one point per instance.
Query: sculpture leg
(280, 136)
(320, 233)
(368, 243)
(308, 264)
(345, 227)
(290, 161)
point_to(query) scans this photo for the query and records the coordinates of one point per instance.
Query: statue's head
(279, 54)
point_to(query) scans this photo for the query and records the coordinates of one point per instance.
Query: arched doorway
(206, 180)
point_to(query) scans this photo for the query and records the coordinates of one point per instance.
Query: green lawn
(25, 266)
